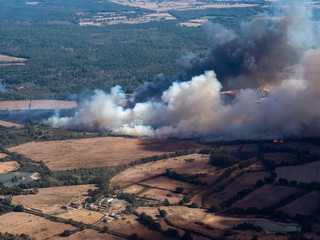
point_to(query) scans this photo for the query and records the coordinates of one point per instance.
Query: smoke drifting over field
(193, 107)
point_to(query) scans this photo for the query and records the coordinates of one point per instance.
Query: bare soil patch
(34, 226)
(97, 152)
(9, 124)
(8, 166)
(50, 200)
(303, 173)
(81, 215)
(190, 165)
(265, 196)
(304, 205)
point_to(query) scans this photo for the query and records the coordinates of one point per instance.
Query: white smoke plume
(196, 109)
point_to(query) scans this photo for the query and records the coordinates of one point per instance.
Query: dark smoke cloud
(267, 46)
(152, 90)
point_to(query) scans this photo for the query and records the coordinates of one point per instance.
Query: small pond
(6, 178)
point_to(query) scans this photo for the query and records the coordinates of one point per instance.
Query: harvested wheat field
(85, 216)
(97, 152)
(304, 205)
(129, 225)
(8, 166)
(34, 226)
(303, 173)
(88, 234)
(3, 155)
(265, 196)
(190, 165)
(50, 200)
(170, 184)
(9, 124)
(247, 180)
(161, 195)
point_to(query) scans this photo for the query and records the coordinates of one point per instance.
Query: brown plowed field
(97, 152)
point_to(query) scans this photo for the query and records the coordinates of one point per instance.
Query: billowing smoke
(268, 44)
(196, 109)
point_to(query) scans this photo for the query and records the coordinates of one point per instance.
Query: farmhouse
(75, 205)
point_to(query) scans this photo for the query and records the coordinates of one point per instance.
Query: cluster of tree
(186, 198)
(185, 178)
(6, 206)
(10, 236)
(161, 157)
(30, 132)
(148, 220)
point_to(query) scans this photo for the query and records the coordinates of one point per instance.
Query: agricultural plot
(304, 205)
(6, 167)
(34, 226)
(303, 173)
(170, 184)
(265, 196)
(97, 152)
(9, 124)
(247, 180)
(161, 195)
(190, 165)
(130, 225)
(50, 200)
(89, 234)
(278, 158)
(85, 216)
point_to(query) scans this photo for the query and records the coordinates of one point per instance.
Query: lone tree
(166, 202)
(162, 213)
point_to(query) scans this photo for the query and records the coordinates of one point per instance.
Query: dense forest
(65, 58)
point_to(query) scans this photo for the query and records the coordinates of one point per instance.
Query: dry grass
(303, 173)
(170, 184)
(85, 216)
(190, 164)
(9, 124)
(6, 58)
(130, 225)
(304, 205)
(50, 200)
(34, 226)
(8, 166)
(265, 196)
(161, 195)
(97, 152)
(89, 234)
(3, 155)
(133, 189)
